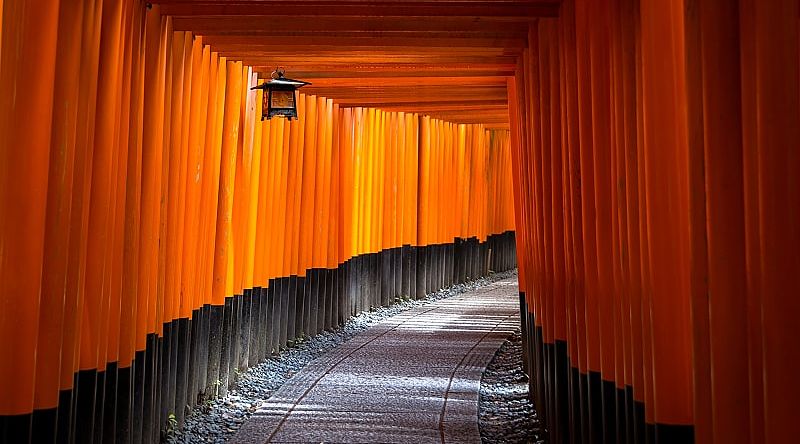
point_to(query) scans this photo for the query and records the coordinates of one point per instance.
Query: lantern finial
(279, 73)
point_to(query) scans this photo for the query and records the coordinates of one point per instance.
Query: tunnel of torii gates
(638, 160)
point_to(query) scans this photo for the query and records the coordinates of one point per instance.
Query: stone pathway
(414, 377)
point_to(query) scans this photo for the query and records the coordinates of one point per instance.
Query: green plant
(172, 426)
(206, 405)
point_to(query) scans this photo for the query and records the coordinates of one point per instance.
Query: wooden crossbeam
(446, 58)
(254, 24)
(355, 8)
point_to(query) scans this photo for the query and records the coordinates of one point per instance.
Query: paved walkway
(413, 378)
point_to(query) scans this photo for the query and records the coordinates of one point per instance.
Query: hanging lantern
(279, 96)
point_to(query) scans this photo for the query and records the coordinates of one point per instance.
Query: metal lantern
(279, 96)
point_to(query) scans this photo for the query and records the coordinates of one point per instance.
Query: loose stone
(505, 413)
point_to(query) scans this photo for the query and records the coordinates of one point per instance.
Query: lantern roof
(283, 81)
(279, 80)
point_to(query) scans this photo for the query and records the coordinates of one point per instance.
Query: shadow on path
(414, 377)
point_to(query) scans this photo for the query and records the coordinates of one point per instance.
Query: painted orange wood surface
(645, 153)
(641, 135)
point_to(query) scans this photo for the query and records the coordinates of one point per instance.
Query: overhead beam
(365, 70)
(275, 24)
(398, 64)
(386, 52)
(427, 108)
(475, 117)
(409, 82)
(442, 41)
(394, 8)
(338, 73)
(399, 105)
(425, 93)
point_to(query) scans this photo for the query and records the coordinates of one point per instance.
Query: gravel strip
(505, 413)
(217, 420)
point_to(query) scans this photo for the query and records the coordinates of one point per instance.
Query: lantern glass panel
(282, 99)
(265, 105)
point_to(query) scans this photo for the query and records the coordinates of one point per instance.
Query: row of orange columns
(149, 219)
(655, 150)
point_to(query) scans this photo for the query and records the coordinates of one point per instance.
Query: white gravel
(506, 414)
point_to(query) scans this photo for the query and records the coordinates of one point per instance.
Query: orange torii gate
(654, 148)
(178, 238)
(155, 235)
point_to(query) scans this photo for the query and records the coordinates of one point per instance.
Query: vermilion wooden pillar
(719, 308)
(666, 185)
(55, 296)
(771, 167)
(26, 86)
